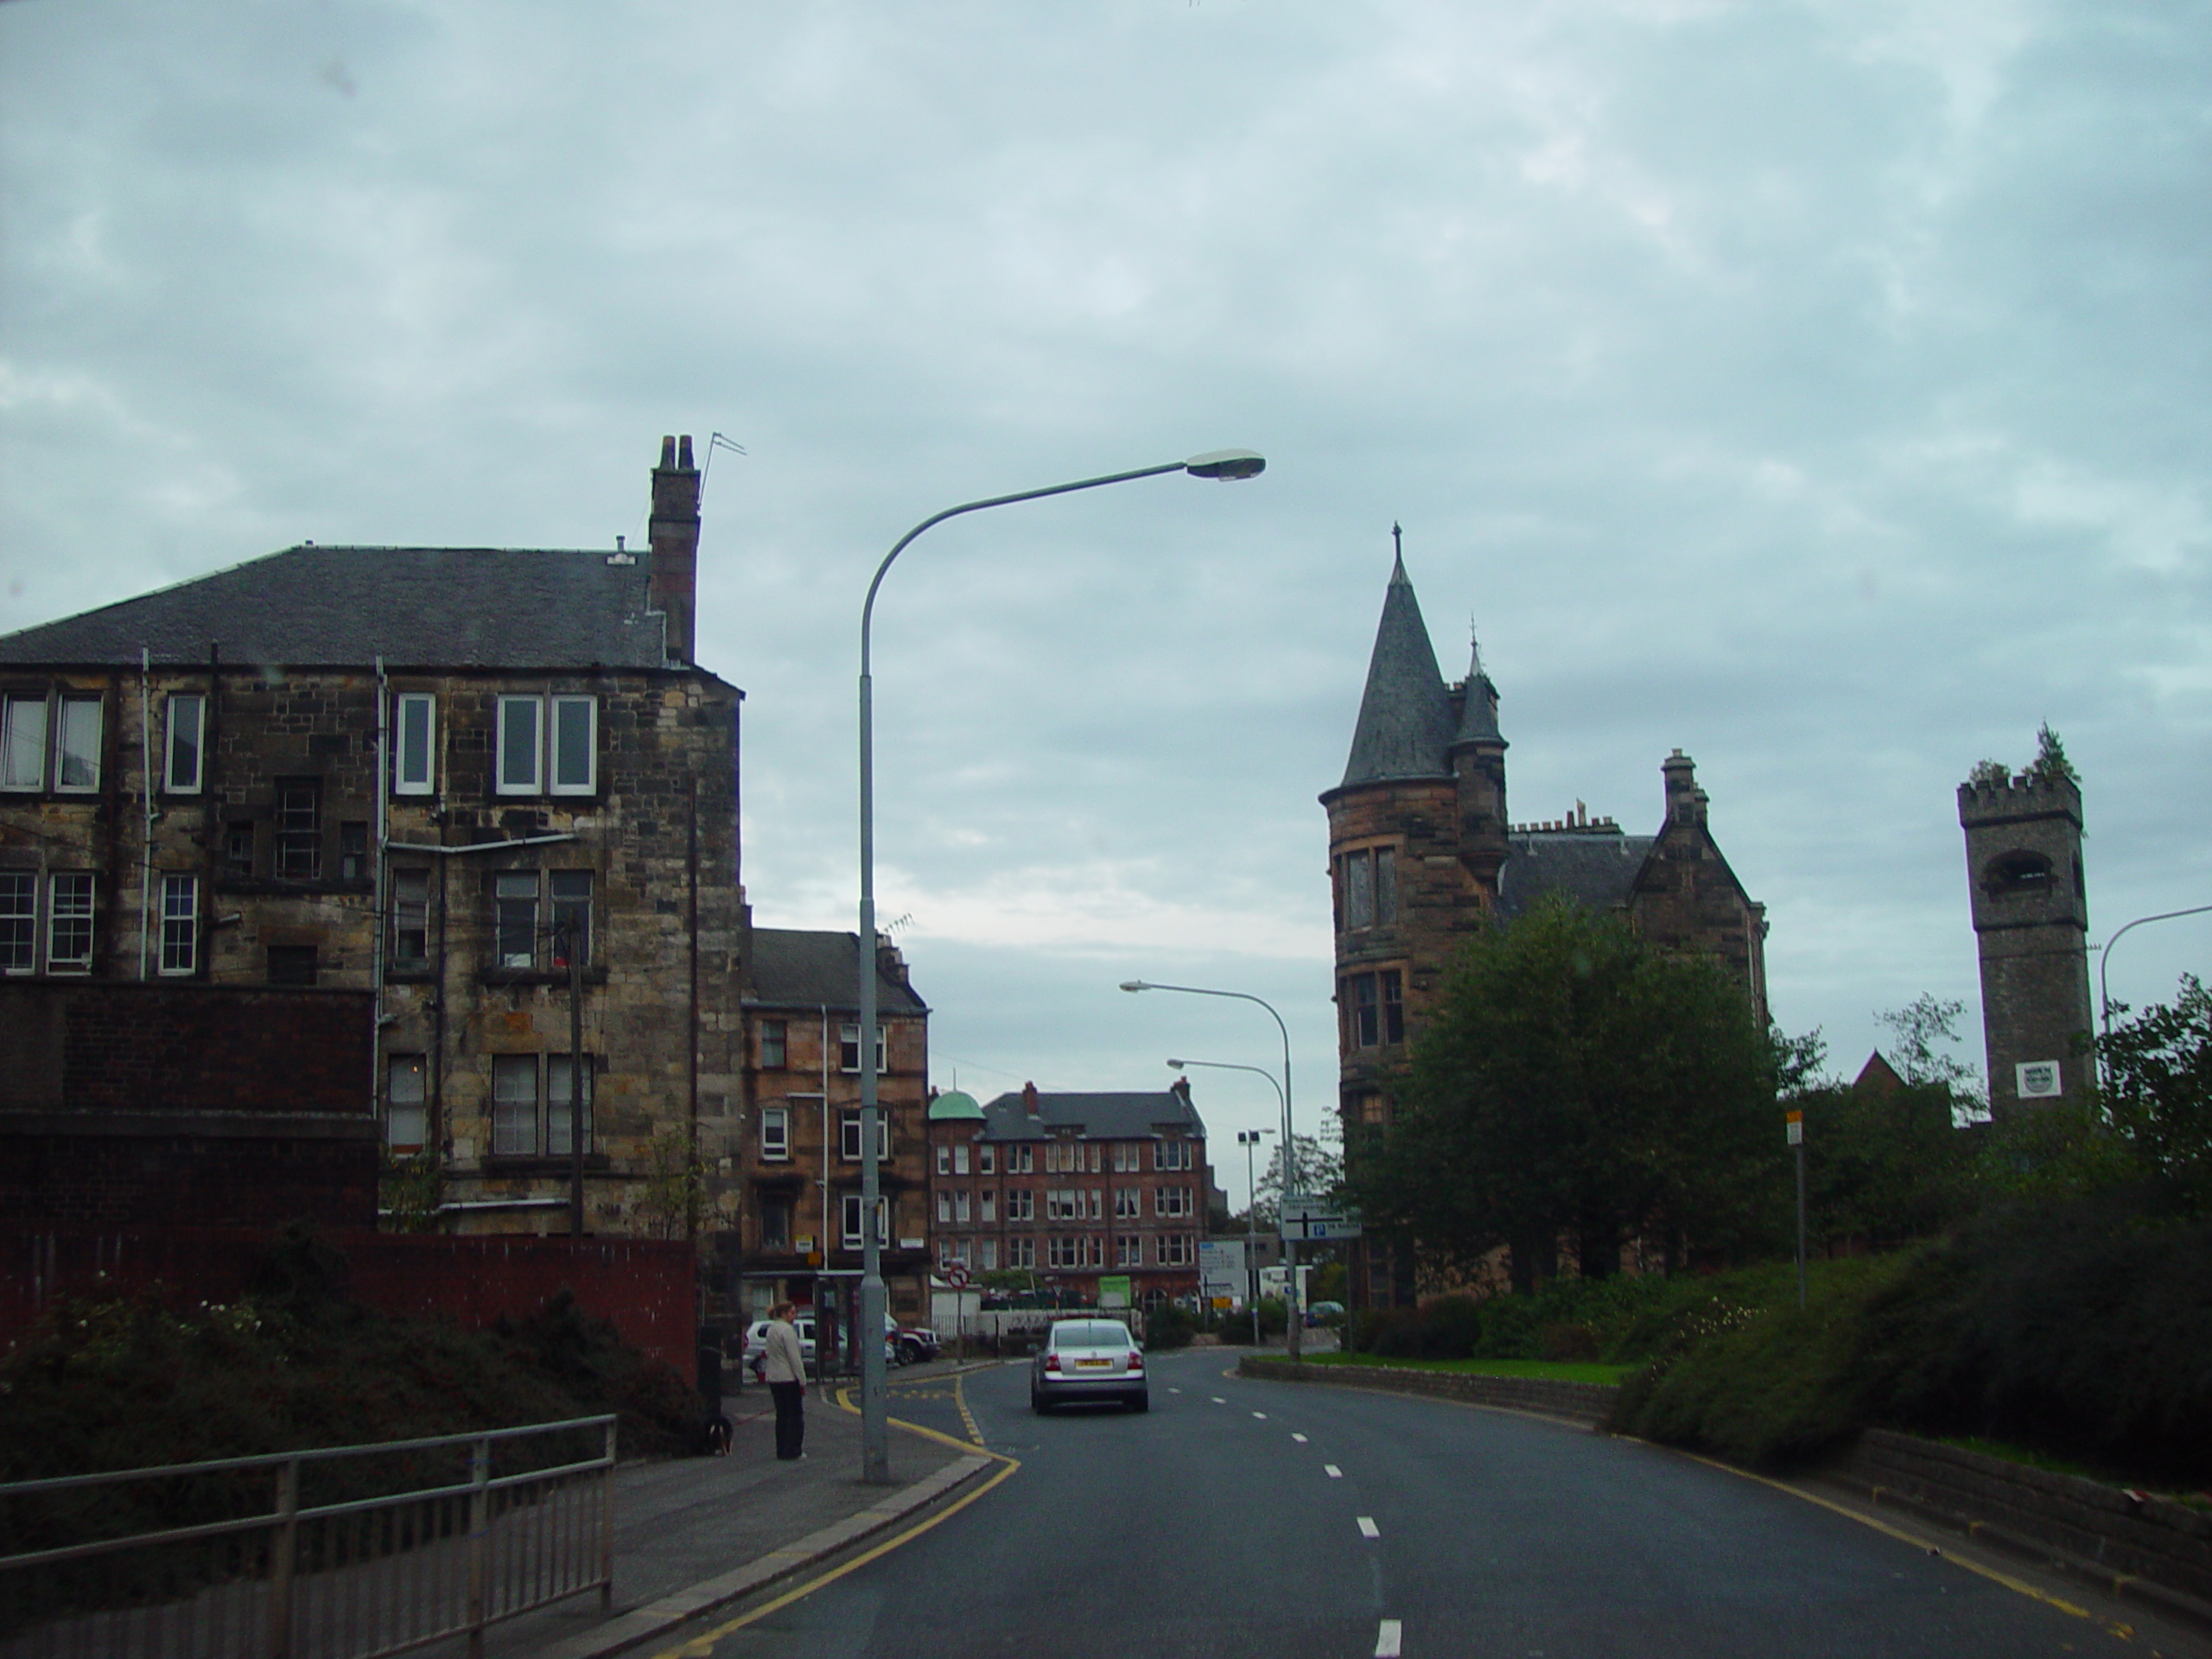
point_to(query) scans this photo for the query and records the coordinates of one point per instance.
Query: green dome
(953, 1106)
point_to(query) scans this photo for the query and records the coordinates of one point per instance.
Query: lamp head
(1135, 985)
(1226, 463)
(1178, 1064)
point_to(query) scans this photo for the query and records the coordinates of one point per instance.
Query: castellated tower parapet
(2030, 899)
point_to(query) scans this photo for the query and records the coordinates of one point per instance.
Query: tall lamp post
(1289, 1145)
(875, 1430)
(2104, 956)
(1250, 1140)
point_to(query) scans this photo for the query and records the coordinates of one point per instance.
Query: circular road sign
(956, 1277)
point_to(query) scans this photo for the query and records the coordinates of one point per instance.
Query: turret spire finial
(1398, 540)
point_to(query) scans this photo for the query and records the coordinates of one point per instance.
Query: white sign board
(2037, 1080)
(1221, 1268)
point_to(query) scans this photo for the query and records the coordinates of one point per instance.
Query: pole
(1289, 1143)
(575, 1079)
(1800, 1224)
(2104, 959)
(875, 1430)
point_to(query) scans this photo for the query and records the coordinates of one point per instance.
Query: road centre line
(1262, 1415)
(1335, 1474)
(1368, 1529)
(1218, 1400)
(1389, 1639)
(1300, 1438)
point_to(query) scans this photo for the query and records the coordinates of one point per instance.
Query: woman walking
(783, 1367)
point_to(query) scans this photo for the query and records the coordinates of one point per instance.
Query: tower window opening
(2017, 873)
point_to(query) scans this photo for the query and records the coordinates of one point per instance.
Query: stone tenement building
(801, 1227)
(2031, 927)
(1074, 1186)
(434, 775)
(1421, 849)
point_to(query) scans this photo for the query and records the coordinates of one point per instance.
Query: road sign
(1795, 1120)
(1319, 1226)
(1114, 1291)
(956, 1277)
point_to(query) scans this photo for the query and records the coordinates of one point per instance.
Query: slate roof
(1478, 712)
(1100, 1117)
(417, 607)
(1406, 723)
(795, 968)
(1595, 871)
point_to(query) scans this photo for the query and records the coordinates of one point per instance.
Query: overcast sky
(1819, 388)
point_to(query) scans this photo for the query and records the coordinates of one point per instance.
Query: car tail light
(1052, 1362)
(1136, 1360)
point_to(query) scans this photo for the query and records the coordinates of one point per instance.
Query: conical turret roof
(1479, 713)
(1405, 714)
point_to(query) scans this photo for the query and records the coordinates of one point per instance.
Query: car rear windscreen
(1090, 1333)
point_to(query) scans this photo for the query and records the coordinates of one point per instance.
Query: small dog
(719, 1430)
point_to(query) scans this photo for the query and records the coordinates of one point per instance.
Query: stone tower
(2032, 925)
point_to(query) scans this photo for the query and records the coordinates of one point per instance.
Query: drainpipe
(824, 1058)
(146, 776)
(378, 918)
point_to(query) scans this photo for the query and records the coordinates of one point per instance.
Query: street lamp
(1247, 1139)
(875, 1430)
(2104, 992)
(1289, 1145)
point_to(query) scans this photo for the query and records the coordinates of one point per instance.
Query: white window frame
(944, 1161)
(1021, 1253)
(1022, 1159)
(1170, 1201)
(960, 1206)
(1022, 1204)
(21, 921)
(73, 912)
(180, 953)
(507, 888)
(1172, 1155)
(405, 1093)
(1129, 1204)
(556, 1138)
(775, 1134)
(68, 736)
(848, 1133)
(960, 1161)
(410, 914)
(987, 1255)
(562, 707)
(943, 1208)
(987, 1204)
(848, 1042)
(415, 711)
(186, 715)
(849, 1220)
(505, 1142)
(986, 1162)
(512, 747)
(23, 723)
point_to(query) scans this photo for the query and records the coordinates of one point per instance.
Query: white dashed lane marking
(1262, 1415)
(1389, 1639)
(1368, 1529)
(1218, 1400)
(1335, 1474)
(1174, 1390)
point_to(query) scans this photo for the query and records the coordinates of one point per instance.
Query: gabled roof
(795, 968)
(1136, 1116)
(421, 607)
(1596, 871)
(1406, 723)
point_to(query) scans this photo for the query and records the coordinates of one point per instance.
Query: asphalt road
(1252, 1518)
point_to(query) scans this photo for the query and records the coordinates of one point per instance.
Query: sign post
(1795, 1120)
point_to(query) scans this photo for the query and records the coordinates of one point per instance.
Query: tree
(2158, 1088)
(1574, 1081)
(1917, 1029)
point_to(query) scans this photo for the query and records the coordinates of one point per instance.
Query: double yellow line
(702, 1646)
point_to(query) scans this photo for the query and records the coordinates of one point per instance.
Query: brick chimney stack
(672, 578)
(1029, 1102)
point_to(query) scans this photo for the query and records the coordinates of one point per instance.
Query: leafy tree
(2050, 763)
(1575, 1081)
(2158, 1090)
(1921, 1032)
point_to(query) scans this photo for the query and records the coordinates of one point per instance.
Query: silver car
(1088, 1359)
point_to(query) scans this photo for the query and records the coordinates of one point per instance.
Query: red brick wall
(644, 1287)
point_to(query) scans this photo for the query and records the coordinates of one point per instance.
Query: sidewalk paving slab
(695, 1534)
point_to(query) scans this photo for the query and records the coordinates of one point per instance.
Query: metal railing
(342, 1553)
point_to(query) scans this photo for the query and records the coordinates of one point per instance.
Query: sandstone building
(1073, 1186)
(428, 779)
(1422, 849)
(800, 1234)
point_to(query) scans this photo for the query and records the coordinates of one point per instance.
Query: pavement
(695, 1533)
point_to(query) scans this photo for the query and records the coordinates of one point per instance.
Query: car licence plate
(1094, 1365)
